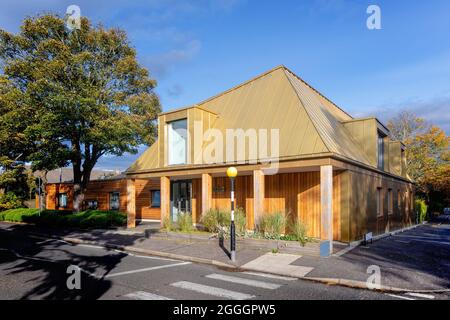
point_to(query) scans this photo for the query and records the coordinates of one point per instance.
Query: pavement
(416, 260)
(35, 267)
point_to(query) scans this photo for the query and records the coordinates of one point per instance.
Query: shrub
(421, 209)
(9, 201)
(66, 219)
(184, 222)
(18, 215)
(299, 230)
(240, 221)
(273, 225)
(214, 220)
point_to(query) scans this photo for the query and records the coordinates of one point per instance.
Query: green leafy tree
(13, 178)
(74, 96)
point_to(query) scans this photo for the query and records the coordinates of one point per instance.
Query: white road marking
(142, 295)
(146, 269)
(145, 257)
(272, 276)
(246, 282)
(213, 291)
(420, 295)
(399, 297)
(90, 246)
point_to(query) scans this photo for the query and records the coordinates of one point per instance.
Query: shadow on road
(42, 264)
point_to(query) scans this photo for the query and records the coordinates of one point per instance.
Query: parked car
(447, 211)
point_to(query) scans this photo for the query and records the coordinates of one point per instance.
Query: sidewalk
(406, 261)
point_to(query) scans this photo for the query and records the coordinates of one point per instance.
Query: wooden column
(131, 203)
(258, 196)
(165, 198)
(206, 192)
(326, 201)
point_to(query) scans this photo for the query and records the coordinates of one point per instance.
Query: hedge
(85, 220)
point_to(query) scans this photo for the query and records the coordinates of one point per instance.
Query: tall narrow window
(379, 203)
(177, 142)
(114, 201)
(155, 198)
(62, 200)
(380, 152)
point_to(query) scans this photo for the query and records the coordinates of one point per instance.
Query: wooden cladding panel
(243, 192)
(143, 199)
(100, 190)
(363, 205)
(52, 191)
(298, 195)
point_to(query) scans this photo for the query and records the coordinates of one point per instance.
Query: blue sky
(198, 48)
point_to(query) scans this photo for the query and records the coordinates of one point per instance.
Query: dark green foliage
(66, 219)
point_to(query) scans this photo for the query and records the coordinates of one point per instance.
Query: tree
(427, 154)
(83, 95)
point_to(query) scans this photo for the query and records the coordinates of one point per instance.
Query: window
(380, 151)
(91, 204)
(379, 203)
(114, 201)
(390, 202)
(62, 200)
(399, 200)
(155, 199)
(177, 142)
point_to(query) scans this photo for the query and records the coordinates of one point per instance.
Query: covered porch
(314, 191)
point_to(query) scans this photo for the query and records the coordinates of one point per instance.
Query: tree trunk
(43, 200)
(81, 177)
(78, 197)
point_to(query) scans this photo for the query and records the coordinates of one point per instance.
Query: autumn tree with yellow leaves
(427, 157)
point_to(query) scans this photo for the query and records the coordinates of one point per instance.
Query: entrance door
(180, 198)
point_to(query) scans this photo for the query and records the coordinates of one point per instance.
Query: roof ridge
(318, 92)
(242, 84)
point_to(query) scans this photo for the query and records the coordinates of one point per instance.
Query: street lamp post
(232, 173)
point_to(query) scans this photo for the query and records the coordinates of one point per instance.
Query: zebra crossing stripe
(142, 295)
(247, 282)
(213, 291)
(399, 297)
(420, 295)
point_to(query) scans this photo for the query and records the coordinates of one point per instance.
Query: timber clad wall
(52, 192)
(100, 191)
(297, 194)
(143, 200)
(363, 204)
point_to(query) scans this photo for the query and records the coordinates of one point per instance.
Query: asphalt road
(36, 268)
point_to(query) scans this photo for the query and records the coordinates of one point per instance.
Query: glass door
(180, 198)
